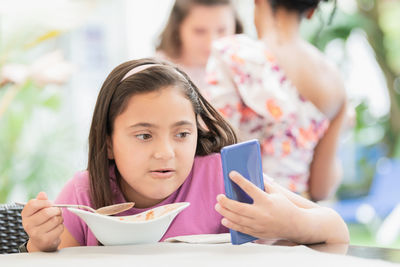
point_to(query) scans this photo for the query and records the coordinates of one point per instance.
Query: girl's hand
(42, 223)
(271, 216)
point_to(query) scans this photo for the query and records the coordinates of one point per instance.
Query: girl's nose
(211, 37)
(164, 151)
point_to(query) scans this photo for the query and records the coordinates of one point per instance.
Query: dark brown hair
(170, 42)
(112, 101)
(299, 6)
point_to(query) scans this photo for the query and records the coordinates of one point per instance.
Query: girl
(281, 90)
(155, 140)
(191, 27)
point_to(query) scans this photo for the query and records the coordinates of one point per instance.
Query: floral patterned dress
(247, 86)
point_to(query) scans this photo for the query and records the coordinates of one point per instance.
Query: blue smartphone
(245, 158)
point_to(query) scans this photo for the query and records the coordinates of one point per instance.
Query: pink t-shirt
(200, 188)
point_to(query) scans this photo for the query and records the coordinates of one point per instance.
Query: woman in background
(283, 91)
(191, 28)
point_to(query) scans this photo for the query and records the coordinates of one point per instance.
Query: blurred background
(55, 55)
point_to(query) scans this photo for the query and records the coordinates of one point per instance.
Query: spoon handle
(74, 206)
(64, 206)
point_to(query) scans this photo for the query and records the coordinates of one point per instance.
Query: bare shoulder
(325, 80)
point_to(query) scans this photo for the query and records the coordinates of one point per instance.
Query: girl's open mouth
(162, 173)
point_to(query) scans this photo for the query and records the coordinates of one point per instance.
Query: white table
(184, 254)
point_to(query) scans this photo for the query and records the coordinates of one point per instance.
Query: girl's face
(154, 144)
(203, 25)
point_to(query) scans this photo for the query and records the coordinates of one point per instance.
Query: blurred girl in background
(191, 28)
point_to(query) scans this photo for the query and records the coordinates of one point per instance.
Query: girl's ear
(110, 153)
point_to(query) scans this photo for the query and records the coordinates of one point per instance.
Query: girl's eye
(183, 134)
(143, 136)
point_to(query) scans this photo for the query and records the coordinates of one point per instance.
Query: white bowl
(145, 227)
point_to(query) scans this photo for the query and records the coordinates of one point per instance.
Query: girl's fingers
(43, 223)
(50, 224)
(55, 232)
(268, 184)
(50, 240)
(41, 196)
(237, 227)
(252, 190)
(244, 209)
(33, 206)
(46, 214)
(39, 231)
(268, 188)
(42, 216)
(232, 216)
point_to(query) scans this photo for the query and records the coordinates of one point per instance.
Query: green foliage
(373, 137)
(362, 235)
(391, 28)
(341, 28)
(25, 157)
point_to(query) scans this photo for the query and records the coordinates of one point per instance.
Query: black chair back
(12, 234)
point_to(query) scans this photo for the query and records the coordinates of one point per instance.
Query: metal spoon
(107, 210)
